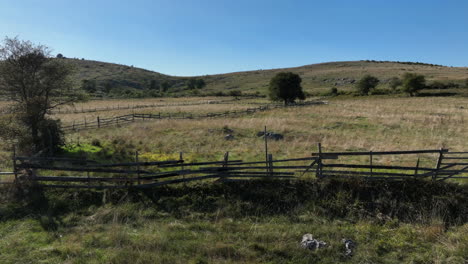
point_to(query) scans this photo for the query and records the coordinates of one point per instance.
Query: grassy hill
(316, 78)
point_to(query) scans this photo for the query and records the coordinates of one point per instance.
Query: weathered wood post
(319, 162)
(266, 148)
(181, 158)
(417, 168)
(15, 170)
(98, 122)
(225, 162)
(137, 167)
(370, 159)
(439, 162)
(270, 164)
(85, 123)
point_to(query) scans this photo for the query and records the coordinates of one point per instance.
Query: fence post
(266, 147)
(14, 163)
(181, 158)
(85, 123)
(417, 168)
(73, 125)
(226, 160)
(270, 164)
(439, 161)
(319, 162)
(98, 122)
(370, 159)
(138, 167)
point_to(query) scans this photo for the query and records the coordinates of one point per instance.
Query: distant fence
(137, 174)
(139, 106)
(124, 119)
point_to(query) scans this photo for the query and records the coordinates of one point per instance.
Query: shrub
(413, 83)
(367, 84)
(394, 83)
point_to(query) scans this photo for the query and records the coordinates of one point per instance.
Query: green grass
(251, 222)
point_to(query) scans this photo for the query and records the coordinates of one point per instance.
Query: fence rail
(82, 173)
(130, 118)
(139, 106)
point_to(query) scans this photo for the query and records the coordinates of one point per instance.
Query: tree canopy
(37, 83)
(366, 84)
(286, 87)
(413, 83)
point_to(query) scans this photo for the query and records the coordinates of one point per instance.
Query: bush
(367, 84)
(394, 83)
(235, 93)
(413, 83)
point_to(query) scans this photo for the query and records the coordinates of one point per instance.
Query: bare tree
(37, 83)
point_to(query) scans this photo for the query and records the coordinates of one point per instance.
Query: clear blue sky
(181, 37)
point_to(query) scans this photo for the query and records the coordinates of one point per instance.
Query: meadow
(261, 221)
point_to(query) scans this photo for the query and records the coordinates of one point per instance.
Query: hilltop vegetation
(128, 81)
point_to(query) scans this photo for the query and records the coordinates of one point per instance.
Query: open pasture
(342, 125)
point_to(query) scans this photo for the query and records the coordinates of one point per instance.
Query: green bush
(366, 84)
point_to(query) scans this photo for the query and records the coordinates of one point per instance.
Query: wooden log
(380, 153)
(374, 166)
(236, 162)
(326, 172)
(53, 159)
(82, 179)
(34, 166)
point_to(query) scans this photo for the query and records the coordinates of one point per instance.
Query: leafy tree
(413, 83)
(36, 83)
(60, 56)
(367, 84)
(395, 82)
(286, 86)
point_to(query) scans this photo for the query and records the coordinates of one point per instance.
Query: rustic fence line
(128, 107)
(321, 165)
(129, 118)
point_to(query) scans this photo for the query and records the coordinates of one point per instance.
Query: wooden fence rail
(130, 118)
(82, 173)
(139, 106)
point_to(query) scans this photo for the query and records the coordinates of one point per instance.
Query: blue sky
(181, 37)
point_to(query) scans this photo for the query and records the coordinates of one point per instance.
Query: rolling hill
(316, 77)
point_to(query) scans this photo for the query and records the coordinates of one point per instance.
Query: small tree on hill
(286, 87)
(191, 83)
(394, 83)
(367, 84)
(413, 83)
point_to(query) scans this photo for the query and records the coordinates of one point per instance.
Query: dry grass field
(364, 123)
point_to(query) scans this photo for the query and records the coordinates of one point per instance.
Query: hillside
(316, 77)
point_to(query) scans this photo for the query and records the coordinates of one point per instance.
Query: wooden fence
(436, 165)
(140, 106)
(129, 118)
